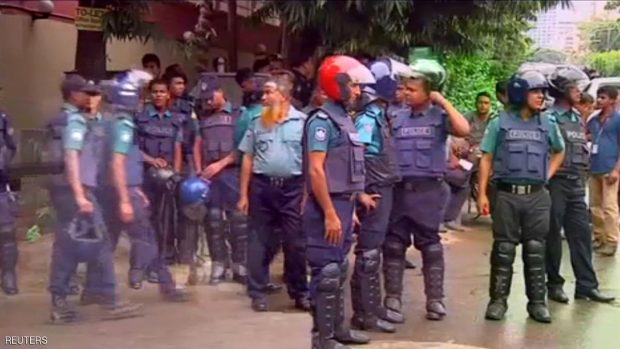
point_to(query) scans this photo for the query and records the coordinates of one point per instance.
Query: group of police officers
(371, 159)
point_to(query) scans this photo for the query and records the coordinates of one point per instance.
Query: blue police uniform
(275, 203)
(158, 135)
(88, 138)
(217, 131)
(381, 174)
(568, 207)
(420, 138)
(144, 251)
(8, 210)
(330, 130)
(520, 150)
(183, 109)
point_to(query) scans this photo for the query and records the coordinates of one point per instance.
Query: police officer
(84, 146)
(335, 176)
(567, 190)
(216, 159)
(182, 107)
(251, 109)
(127, 168)
(381, 175)
(420, 134)
(160, 138)
(272, 166)
(8, 210)
(515, 147)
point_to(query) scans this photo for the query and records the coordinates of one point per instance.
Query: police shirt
(123, 135)
(248, 115)
(75, 132)
(489, 140)
(323, 134)
(154, 114)
(369, 130)
(277, 152)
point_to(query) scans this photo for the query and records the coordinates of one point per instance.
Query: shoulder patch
(320, 134)
(77, 136)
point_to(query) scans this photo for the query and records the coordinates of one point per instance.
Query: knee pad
(503, 253)
(394, 249)
(214, 218)
(432, 253)
(329, 278)
(370, 260)
(238, 220)
(534, 247)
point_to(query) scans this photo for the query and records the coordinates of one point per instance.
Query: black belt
(417, 184)
(567, 176)
(279, 181)
(519, 189)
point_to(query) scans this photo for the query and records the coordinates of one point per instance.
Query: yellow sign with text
(89, 18)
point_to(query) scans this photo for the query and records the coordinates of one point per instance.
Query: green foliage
(44, 215)
(607, 63)
(602, 36)
(549, 56)
(467, 76)
(387, 26)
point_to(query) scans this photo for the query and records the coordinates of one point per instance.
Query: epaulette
(319, 114)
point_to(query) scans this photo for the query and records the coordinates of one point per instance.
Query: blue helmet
(194, 190)
(520, 84)
(124, 91)
(206, 85)
(387, 72)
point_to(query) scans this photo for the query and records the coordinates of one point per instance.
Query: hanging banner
(89, 18)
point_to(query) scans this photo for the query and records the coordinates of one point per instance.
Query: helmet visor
(400, 70)
(359, 74)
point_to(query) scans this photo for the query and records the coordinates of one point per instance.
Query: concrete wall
(34, 55)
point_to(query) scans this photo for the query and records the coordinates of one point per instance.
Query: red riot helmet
(336, 72)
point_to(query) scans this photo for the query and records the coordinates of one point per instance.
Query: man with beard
(272, 165)
(216, 158)
(516, 148)
(567, 190)
(335, 170)
(160, 138)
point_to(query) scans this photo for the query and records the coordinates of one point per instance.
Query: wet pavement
(220, 316)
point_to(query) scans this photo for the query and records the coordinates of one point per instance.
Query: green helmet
(431, 70)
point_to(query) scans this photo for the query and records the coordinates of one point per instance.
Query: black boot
(8, 263)
(239, 246)
(393, 273)
(218, 250)
(534, 271)
(502, 257)
(343, 333)
(325, 309)
(62, 312)
(365, 297)
(433, 271)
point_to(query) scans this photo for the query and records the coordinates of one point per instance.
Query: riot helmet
(337, 72)
(522, 83)
(431, 70)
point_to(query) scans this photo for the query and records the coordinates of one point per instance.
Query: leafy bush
(607, 63)
(467, 76)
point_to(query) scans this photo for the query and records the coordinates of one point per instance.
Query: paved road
(220, 316)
